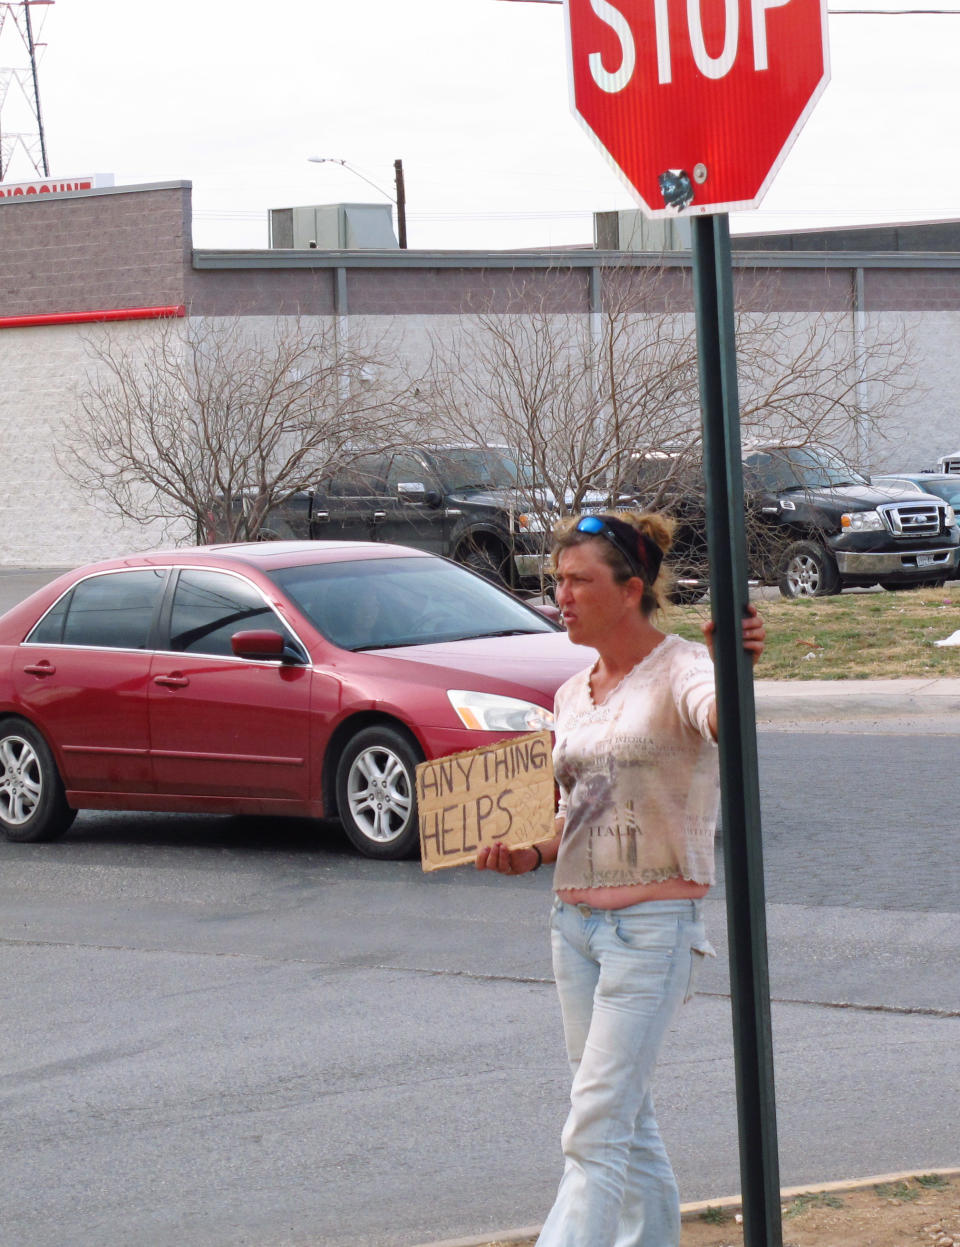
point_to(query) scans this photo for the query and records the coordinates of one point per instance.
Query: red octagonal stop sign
(716, 88)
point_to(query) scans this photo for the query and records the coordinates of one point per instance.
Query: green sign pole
(740, 800)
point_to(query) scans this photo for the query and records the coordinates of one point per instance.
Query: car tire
(487, 561)
(377, 793)
(808, 571)
(686, 595)
(33, 806)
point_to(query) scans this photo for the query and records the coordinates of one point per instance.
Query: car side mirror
(551, 611)
(416, 493)
(262, 643)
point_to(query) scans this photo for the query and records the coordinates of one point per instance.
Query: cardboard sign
(502, 792)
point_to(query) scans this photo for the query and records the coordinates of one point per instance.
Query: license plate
(926, 560)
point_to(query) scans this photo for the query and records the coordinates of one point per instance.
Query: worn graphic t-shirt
(638, 775)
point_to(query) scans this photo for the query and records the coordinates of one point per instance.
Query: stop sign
(716, 88)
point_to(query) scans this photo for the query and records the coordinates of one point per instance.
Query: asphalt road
(220, 1033)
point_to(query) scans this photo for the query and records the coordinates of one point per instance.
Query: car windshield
(386, 603)
(470, 467)
(799, 468)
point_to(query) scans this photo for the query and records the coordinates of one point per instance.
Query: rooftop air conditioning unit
(632, 231)
(334, 227)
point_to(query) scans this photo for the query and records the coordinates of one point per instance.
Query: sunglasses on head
(642, 555)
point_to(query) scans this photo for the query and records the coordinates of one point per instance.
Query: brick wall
(94, 250)
(260, 292)
(912, 289)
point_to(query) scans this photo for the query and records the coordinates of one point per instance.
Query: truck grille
(950, 465)
(914, 519)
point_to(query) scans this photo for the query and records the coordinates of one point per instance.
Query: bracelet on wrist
(536, 849)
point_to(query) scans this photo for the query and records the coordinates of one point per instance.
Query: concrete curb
(824, 700)
(690, 1211)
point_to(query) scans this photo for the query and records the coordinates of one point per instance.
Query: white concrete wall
(926, 422)
(47, 521)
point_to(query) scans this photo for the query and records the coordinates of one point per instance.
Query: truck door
(409, 520)
(350, 506)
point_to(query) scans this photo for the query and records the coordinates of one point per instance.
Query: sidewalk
(783, 702)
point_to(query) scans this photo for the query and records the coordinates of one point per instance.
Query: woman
(636, 767)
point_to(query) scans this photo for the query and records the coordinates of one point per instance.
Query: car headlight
(863, 521)
(949, 517)
(489, 712)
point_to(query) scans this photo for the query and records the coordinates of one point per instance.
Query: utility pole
(401, 204)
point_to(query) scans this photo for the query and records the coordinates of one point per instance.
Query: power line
(832, 12)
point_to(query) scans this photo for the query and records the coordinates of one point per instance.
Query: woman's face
(592, 604)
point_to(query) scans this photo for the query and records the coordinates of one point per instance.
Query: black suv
(813, 524)
(464, 502)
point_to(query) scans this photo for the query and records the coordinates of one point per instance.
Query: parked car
(942, 484)
(299, 678)
(814, 525)
(474, 504)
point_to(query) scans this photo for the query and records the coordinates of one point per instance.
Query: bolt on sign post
(696, 104)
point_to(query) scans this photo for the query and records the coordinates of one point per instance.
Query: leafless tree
(574, 396)
(584, 401)
(215, 422)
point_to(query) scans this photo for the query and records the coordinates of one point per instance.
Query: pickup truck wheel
(32, 802)
(808, 571)
(486, 561)
(377, 793)
(686, 595)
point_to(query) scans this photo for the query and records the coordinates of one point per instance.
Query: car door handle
(40, 668)
(171, 681)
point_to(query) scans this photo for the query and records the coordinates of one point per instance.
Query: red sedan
(281, 678)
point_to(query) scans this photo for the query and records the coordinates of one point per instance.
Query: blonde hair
(657, 527)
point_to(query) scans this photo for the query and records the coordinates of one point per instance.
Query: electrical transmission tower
(22, 141)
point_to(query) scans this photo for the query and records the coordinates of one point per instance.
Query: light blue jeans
(622, 974)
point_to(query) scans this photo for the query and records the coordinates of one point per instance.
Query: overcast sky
(234, 96)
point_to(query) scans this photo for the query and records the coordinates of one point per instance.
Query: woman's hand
(754, 634)
(507, 861)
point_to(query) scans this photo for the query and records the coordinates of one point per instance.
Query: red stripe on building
(85, 318)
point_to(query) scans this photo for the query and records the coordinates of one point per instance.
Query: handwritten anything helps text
(502, 792)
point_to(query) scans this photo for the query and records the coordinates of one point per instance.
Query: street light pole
(400, 203)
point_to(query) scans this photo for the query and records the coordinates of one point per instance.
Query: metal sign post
(740, 801)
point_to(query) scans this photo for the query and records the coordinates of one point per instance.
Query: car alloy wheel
(21, 780)
(33, 805)
(376, 793)
(808, 571)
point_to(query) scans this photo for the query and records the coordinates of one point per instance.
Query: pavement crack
(531, 980)
(853, 1006)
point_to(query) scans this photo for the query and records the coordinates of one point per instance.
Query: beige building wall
(45, 518)
(49, 521)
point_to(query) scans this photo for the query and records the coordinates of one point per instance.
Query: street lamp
(400, 202)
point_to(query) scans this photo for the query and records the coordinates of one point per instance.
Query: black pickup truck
(466, 502)
(813, 525)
